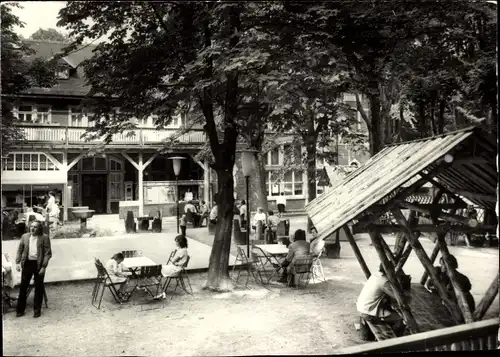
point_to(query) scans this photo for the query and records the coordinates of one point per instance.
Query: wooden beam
(56, 162)
(426, 228)
(387, 251)
(140, 172)
(396, 286)
(427, 264)
(442, 215)
(450, 270)
(478, 195)
(477, 160)
(443, 188)
(197, 161)
(75, 160)
(130, 160)
(433, 257)
(404, 257)
(487, 300)
(150, 160)
(356, 251)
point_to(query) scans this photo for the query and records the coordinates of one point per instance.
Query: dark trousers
(30, 268)
(281, 208)
(183, 230)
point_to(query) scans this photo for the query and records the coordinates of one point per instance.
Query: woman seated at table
(463, 282)
(299, 248)
(114, 267)
(176, 263)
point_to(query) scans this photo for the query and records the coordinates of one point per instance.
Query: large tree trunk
(433, 119)
(376, 132)
(422, 125)
(218, 268)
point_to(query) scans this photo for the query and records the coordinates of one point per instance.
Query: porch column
(305, 186)
(140, 172)
(65, 198)
(206, 182)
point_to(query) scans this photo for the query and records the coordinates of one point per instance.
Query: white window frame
(121, 162)
(34, 112)
(25, 159)
(83, 122)
(281, 186)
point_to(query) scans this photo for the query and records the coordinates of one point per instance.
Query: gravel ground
(315, 320)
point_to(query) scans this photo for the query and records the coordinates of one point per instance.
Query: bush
(66, 232)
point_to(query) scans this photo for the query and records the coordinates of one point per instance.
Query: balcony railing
(68, 135)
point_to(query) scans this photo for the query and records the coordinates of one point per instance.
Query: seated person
(213, 215)
(190, 207)
(272, 226)
(317, 245)
(374, 301)
(175, 265)
(114, 267)
(463, 281)
(259, 216)
(7, 276)
(299, 248)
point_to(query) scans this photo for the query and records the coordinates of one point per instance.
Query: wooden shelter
(458, 164)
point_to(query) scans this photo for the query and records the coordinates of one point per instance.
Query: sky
(38, 14)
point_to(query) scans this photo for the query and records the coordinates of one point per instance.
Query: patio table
(274, 255)
(135, 264)
(276, 250)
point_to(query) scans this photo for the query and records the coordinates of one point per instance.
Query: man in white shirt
(281, 203)
(373, 301)
(213, 215)
(243, 213)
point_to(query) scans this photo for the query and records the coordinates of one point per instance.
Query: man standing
(33, 255)
(281, 203)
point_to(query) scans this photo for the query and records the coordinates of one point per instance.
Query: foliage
(19, 73)
(49, 34)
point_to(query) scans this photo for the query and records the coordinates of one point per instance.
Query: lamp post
(247, 164)
(176, 162)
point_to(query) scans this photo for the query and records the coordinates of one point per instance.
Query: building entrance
(94, 192)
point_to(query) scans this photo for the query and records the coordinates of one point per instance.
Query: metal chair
(246, 264)
(302, 269)
(150, 277)
(317, 268)
(266, 265)
(131, 253)
(180, 279)
(103, 280)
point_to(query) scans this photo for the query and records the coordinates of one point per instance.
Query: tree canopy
(49, 35)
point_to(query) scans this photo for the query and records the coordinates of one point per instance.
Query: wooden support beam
(470, 160)
(433, 257)
(150, 160)
(75, 160)
(404, 257)
(426, 228)
(442, 215)
(56, 162)
(427, 264)
(130, 160)
(140, 172)
(478, 195)
(450, 270)
(387, 251)
(487, 300)
(396, 287)
(197, 161)
(443, 188)
(356, 251)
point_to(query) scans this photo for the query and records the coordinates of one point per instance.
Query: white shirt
(19, 199)
(33, 248)
(54, 211)
(317, 246)
(259, 217)
(371, 296)
(213, 213)
(281, 200)
(113, 267)
(51, 202)
(243, 210)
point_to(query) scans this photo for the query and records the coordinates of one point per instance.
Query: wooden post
(462, 301)
(404, 257)
(434, 254)
(396, 287)
(356, 251)
(426, 262)
(388, 251)
(487, 300)
(140, 173)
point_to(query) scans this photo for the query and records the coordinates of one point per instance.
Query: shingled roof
(74, 86)
(396, 165)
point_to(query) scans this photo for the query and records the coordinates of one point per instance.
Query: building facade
(127, 174)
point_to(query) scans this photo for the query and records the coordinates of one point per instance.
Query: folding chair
(131, 253)
(265, 264)
(103, 280)
(32, 287)
(317, 267)
(242, 258)
(180, 279)
(302, 269)
(150, 277)
(6, 298)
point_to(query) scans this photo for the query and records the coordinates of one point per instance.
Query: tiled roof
(74, 86)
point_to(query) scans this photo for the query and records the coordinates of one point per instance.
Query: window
(75, 178)
(94, 164)
(25, 113)
(43, 115)
(115, 165)
(292, 183)
(29, 162)
(115, 186)
(75, 117)
(273, 157)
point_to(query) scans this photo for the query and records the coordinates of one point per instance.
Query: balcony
(71, 136)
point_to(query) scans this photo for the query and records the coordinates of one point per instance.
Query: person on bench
(374, 301)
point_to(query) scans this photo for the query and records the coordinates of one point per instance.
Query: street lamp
(176, 162)
(247, 164)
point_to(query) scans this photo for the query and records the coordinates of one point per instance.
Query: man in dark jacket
(33, 255)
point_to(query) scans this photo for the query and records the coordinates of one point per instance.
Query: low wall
(166, 210)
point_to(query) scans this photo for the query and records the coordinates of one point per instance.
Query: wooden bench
(381, 331)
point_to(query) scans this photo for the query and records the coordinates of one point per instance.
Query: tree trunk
(218, 268)
(433, 119)
(376, 134)
(422, 125)
(442, 107)
(261, 168)
(311, 172)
